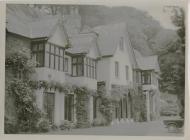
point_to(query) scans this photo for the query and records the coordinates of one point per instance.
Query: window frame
(127, 72)
(121, 43)
(55, 55)
(37, 52)
(146, 77)
(116, 69)
(91, 70)
(66, 64)
(78, 64)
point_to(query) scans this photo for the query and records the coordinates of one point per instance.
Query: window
(116, 69)
(90, 67)
(49, 105)
(78, 66)
(146, 77)
(66, 64)
(38, 53)
(127, 72)
(54, 57)
(121, 44)
(69, 107)
(48, 55)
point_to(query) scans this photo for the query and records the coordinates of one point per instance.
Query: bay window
(146, 77)
(54, 57)
(90, 67)
(38, 53)
(48, 55)
(78, 66)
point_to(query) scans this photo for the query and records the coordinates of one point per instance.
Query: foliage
(82, 100)
(172, 63)
(19, 61)
(26, 109)
(10, 125)
(20, 89)
(43, 125)
(67, 125)
(100, 121)
(139, 105)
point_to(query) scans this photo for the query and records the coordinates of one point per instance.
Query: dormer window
(121, 44)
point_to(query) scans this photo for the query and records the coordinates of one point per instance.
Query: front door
(49, 104)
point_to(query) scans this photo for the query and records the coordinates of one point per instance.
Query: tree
(172, 62)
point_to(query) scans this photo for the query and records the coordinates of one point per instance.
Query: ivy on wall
(26, 116)
(82, 104)
(138, 104)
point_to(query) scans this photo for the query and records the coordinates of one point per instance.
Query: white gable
(58, 36)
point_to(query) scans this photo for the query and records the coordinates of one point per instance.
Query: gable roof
(109, 36)
(81, 43)
(28, 26)
(147, 62)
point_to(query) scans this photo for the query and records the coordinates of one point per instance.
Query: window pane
(47, 59)
(116, 69)
(41, 47)
(74, 70)
(40, 59)
(61, 52)
(34, 47)
(52, 48)
(52, 61)
(47, 47)
(89, 71)
(93, 75)
(57, 50)
(127, 72)
(86, 70)
(74, 60)
(85, 60)
(66, 64)
(80, 60)
(56, 62)
(80, 70)
(61, 64)
(34, 57)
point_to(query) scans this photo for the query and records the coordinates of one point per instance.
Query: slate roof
(31, 27)
(81, 43)
(109, 36)
(147, 62)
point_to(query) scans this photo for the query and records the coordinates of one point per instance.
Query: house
(67, 53)
(149, 76)
(115, 67)
(121, 68)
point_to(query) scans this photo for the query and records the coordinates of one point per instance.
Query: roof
(109, 36)
(81, 43)
(32, 27)
(147, 62)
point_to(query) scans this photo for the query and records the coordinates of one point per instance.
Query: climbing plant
(18, 90)
(82, 111)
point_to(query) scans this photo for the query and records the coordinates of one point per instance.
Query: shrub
(10, 125)
(67, 125)
(43, 125)
(100, 121)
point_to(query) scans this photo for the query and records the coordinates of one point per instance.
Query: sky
(155, 8)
